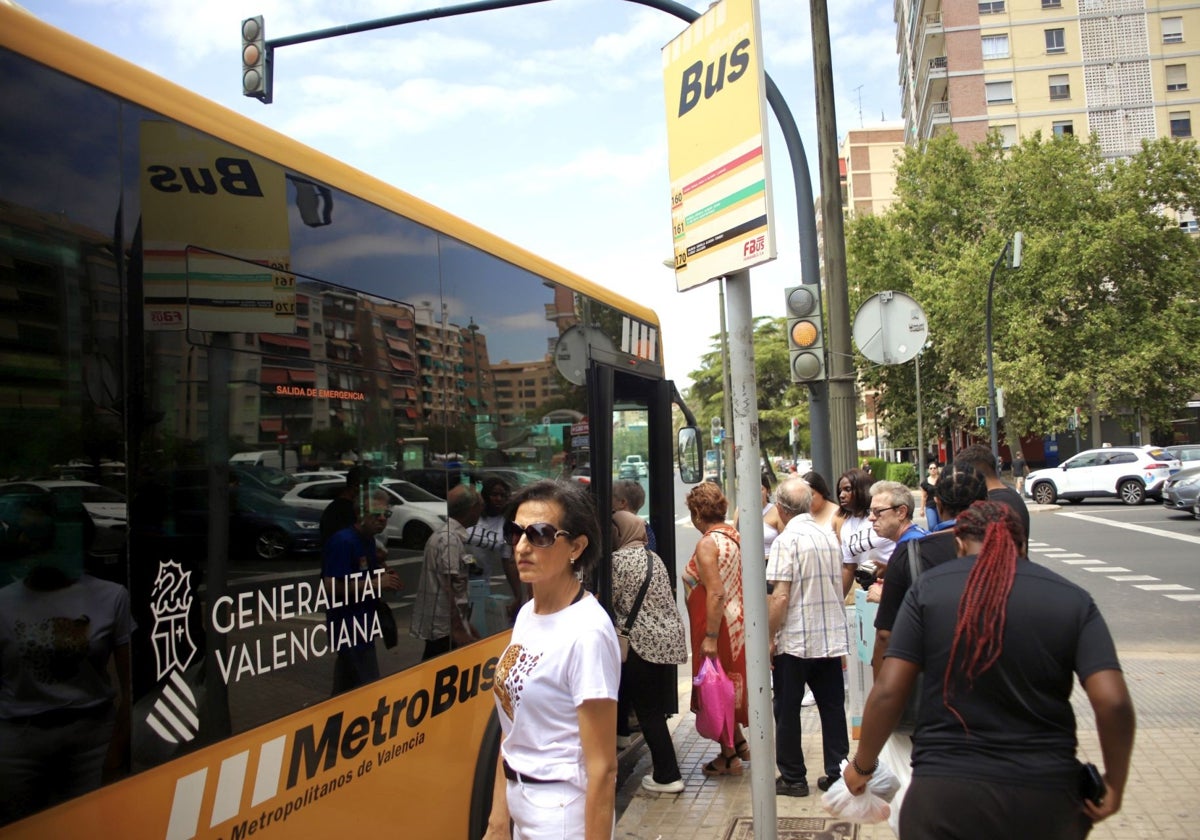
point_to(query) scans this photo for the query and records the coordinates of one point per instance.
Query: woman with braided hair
(999, 638)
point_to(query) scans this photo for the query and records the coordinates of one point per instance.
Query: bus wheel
(484, 780)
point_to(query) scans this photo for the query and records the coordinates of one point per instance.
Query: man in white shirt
(807, 626)
(440, 613)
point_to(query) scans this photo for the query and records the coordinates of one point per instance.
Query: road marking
(1129, 526)
(1134, 577)
(1088, 562)
(1062, 555)
(1106, 569)
(1185, 597)
(1163, 587)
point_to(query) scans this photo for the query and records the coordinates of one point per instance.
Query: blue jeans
(824, 677)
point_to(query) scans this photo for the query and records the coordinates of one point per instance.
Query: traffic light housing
(981, 416)
(256, 60)
(806, 336)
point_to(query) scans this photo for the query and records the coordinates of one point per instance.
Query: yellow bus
(179, 284)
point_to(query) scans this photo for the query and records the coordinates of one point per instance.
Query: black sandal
(742, 748)
(729, 765)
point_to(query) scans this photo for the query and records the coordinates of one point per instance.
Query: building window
(1008, 135)
(1060, 86)
(1063, 127)
(1176, 77)
(1172, 29)
(995, 46)
(1056, 41)
(999, 92)
(1051, 4)
(993, 8)
(1189, 226)
(1181, 123)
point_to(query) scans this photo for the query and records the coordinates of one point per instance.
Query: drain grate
(797, 828)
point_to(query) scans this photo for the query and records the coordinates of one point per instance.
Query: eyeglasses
(380, 514)
(878, 512)
(539, 534)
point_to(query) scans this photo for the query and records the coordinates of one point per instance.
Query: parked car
(317, 475)
(105, 506)
(416, 513)
(640, 465)
(1182, 489)
(1130, 473)
(268, 479)
(1187, 453)
(260, 525)
(627, 470)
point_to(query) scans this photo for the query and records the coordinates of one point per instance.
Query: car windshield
(95, 494)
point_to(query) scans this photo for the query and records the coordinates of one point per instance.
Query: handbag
(715, 713)
(623, 632)
(908, 718)
(387, 623)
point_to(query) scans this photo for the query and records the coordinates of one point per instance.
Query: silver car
(1182, 489)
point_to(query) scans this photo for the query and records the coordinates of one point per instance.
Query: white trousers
(550, 811)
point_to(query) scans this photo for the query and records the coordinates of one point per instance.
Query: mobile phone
(1091, 784)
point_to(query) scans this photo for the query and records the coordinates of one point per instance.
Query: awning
(867, 444)
(270, 424)
(283, 340)
(273, 376)
(306, 376)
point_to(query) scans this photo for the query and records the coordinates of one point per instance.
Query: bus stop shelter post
(754, 583)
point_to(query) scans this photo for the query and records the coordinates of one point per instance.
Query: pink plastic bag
(714, 700)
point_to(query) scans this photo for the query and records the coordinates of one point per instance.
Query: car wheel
(1132, 492)
(415, 535)
(271, 544)
(1044, 493)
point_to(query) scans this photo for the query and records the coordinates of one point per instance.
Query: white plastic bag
(870, 807)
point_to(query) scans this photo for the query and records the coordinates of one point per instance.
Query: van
(267, 458)
(638, 464)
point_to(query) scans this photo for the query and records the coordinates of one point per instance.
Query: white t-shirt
(55, 645)
(552, 665)
(485, 542)
(860, 543)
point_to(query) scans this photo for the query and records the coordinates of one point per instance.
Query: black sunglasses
(539, 534)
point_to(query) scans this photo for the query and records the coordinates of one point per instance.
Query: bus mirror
(689, 454)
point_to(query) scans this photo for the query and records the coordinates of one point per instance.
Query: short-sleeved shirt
(445, 560)
(806, 555)
(1020, 724)
(345, 553)
(860, 543)
(55, 645)
(553, 664)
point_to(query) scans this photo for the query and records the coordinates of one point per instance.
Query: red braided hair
(983, 606)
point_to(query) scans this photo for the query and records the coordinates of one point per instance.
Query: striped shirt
(807, 556)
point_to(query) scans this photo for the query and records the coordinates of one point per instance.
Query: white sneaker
(808, 700)
(662, 787)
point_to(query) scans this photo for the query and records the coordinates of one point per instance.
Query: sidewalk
(1160, 801)
(1159, 804)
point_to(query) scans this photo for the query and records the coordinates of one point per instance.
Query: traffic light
(256, 60)
(981, 416)
(806, 338)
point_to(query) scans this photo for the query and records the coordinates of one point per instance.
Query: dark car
(627, 471)
(260, 525)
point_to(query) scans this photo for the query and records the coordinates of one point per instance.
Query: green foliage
(1102, 313)
(879, 468)
(904, 472)
(779, 400)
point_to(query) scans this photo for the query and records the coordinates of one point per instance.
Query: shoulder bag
(623, 632)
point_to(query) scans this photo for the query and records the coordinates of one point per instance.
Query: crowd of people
(996, 639)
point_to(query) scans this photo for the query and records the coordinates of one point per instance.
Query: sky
(543, 124)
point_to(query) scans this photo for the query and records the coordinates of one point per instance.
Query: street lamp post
(1015, 243)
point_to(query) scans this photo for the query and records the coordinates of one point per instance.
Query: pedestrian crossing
(1120, 574)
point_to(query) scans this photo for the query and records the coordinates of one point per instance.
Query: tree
(1103, 311)
(779, 399)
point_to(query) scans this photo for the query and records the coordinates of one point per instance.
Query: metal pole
(842, 401)
(761, 734)
(991, 378)
(920, 427)
(727, 447)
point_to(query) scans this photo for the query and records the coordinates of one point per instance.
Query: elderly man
(807, 625)
(440, 613)
(891, 516)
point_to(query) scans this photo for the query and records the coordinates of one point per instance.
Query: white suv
(1131, 473)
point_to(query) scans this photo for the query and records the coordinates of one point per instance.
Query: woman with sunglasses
(1000, 640)
(556, 683)
(929, 496)
(712, 582)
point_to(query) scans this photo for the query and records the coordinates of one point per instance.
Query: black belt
(513, 776)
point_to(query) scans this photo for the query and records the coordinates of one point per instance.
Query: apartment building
(867, 158)
(1123, 70)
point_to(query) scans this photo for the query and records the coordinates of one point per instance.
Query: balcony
(933, 24)
(937, 68)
